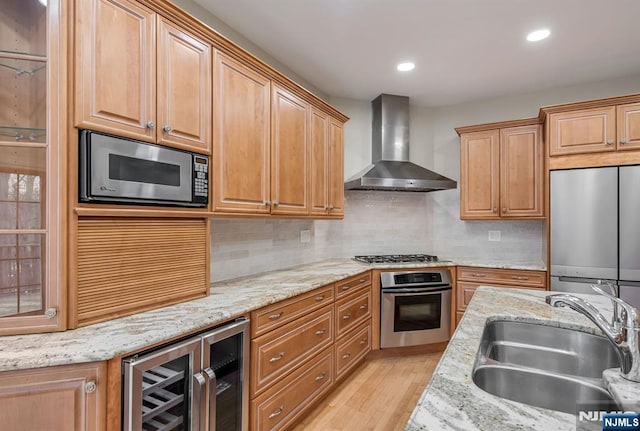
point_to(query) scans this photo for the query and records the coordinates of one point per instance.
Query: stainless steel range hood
(391, 169)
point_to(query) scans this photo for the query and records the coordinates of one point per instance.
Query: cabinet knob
(90, 387)
(331, 207)
(609, 141)
(277, 412)
(346, 355)
(504, 210)
(51, 313)
(277, 358)
(346, 316)
(150, 124)
(321, 331)
(267, 203)
(623, 141)
(363, 307)
(495, 210)
(276, 203)
(167, 128)
(320, 376)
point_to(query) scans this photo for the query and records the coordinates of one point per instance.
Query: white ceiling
(463, 49)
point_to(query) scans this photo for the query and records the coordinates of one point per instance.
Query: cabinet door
(58, 398)
(289, 153)
(240, 162)
(184, 89)
(584, 131)
(521, 178)
(319, 164)
(336, 169)
(479, 170)
(115, 68)
(629, 126)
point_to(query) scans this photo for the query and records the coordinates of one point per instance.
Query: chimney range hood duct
(391, 169)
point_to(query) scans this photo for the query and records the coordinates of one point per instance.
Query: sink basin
(548, 348)
(540, 389)
(544, 366)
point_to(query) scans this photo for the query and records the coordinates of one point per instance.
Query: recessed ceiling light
(43, 2)
(537, 35)
(405, 67)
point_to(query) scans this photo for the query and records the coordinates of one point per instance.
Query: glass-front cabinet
(30, 174)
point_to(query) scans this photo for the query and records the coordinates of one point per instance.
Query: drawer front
(352, 311)
(289, 398)
(503, 276)
(465, 292)
(273, 316)
(283, 349)
(350, 285)
(354, 347)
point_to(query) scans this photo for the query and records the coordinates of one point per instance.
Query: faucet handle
(629, 315)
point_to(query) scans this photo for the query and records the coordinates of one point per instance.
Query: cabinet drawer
(288, 399)
(464, 294)
(352, 311)
(273, 316)
(521, 278)
(349, 285)
(353, 348)
(281, 350)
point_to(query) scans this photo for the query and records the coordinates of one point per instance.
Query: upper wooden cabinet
(501, 173)
(336, 168)
(595, 130)
(32, 174)
(327, 165)
(140, 76)
(71, 397)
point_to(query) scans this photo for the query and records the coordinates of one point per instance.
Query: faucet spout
(623, 334)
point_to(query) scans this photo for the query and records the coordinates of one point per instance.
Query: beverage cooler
(199, 383)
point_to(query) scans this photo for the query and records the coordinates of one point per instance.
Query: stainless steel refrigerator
(595, 229)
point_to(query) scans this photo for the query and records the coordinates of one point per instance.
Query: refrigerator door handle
(213, 383)
(199, 384)
(584, 280)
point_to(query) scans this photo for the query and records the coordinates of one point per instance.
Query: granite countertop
(461, 262)
(452, 401)
(228, 299)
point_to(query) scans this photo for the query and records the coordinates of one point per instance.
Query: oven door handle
(406, 292)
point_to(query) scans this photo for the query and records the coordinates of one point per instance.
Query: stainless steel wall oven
(415, 308)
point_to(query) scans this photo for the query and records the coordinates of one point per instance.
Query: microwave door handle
(213, 382)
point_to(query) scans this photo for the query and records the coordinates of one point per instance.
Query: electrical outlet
(305, 236)
(494, 235)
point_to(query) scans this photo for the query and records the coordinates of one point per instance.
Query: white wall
(383, 222)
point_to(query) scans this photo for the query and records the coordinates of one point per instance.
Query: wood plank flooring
(379, 396)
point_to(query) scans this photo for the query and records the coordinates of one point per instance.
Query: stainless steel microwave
(125, 171)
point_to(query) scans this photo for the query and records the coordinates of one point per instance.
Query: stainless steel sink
(548, 348)
(540, 389)
(544, 366)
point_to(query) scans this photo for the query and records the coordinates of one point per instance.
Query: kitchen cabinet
(595, 130)
(71, 397)
(32, 160)
(140, 76)
(470, 278)
(327, 165)
(501, 173)
(289, 153)
(353, 322)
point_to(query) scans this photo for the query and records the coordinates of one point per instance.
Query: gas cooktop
(397, 258)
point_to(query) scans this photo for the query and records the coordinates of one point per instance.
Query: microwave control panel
(200, 179)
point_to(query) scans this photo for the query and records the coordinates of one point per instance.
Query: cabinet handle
(346, 287)
(495, 210)
(478, 274)
(51, 313)
(346, 316)
(346, 355)
(515, 277)
(276, 203)
(504, 210)
(277, 358)
(90, 387)
(363, 341)
(623, 141)
(609, 141)
(276, 316)
(331, 207)
(167, 128)
(362, 280)
(363, 307)
(277, 412)
(319, 298)
(321, 331)
(320, 376)
(150, 124)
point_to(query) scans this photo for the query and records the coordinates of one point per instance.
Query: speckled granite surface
(116, 337)
(452, 401)
(455, 262)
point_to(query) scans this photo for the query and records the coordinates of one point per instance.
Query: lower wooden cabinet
(65, 398)
(286, 400)
(351, 348)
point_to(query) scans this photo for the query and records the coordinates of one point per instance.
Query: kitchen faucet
(623, 332)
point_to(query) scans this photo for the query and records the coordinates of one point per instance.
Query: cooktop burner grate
(397, 258)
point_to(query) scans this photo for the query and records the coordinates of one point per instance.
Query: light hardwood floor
(380, 395)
